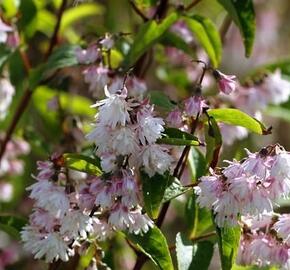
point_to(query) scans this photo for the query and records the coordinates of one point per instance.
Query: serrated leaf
(153, 191)
(82, 163)
(148, 35)
(192, 256)
(174, 136)
(238, 118)
(243, 14)
(228, 241)
(174, 190)
(12, 224)
(208, 36)
(154, 245)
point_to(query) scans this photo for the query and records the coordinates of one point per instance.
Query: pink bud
(226, 83)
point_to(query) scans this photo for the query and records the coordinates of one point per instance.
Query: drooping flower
(226, 83)
(194, 105)
(87, 56)
(155, 159)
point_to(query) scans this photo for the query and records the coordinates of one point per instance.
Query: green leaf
(198, 220)
(12, 224)
(243, 14)
(193, 256)
(174, 190)
(208, 36)
(228, 241)
(9, 7)
(149, 34)
(238, 118)
(83, 164)
(154, 245)
(283, 65)
(213, 141)
(279, 112)
(63, 56)
(4, 55)
(174, 136)
(28, 20)
(197, 164)
(173, 40)
(153, 191)
(79, 12)
(159, 98)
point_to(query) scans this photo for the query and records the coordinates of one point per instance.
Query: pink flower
(194, 105)
(226, 83)
(87, 56)
(174, 118)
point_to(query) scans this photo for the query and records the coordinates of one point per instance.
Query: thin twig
(54, 38)
(161, 9)
(138, 11)
(191, 5)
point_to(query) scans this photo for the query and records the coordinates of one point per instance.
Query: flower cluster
(272, 89)
(66, 214)
(265, 241)
(126, 127)
(249, 187)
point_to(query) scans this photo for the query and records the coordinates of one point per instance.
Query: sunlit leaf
(192, 256)
(148, 35)
(154, 245)
(208, 36)
(83, 163)
(238, 118)
(243, 14)
(228, 241)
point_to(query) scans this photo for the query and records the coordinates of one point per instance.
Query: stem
(138, 11)
(28, 92)
(190, 6)
(54, 38)
(161, 9)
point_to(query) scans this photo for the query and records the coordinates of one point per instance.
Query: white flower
(97, 78)
(6, 191)
(101, 136)
(4, 29)
(101, 229)
(107, 42)
(87, 56)
(155, 159)
(149, 128)
(105, 197)
(108, 162)
(138, 223)
(54, 201)
(6, 93)
(114, 109)
(75, 223)
(282, 227)
(40, 189)
(52, 247)
(124, 141)
(277, 88)
(281, 167)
